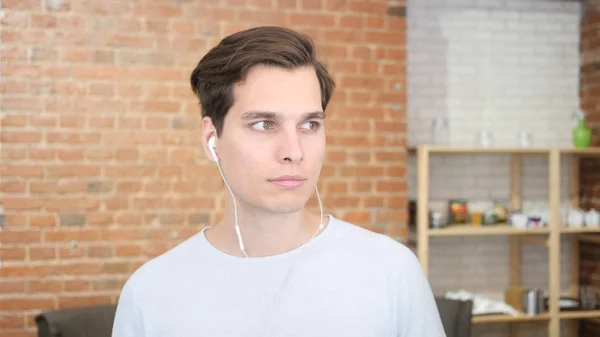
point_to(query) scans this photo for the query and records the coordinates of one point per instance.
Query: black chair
(94, 321)
(456, 316)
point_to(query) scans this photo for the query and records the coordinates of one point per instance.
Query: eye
(262, 125)
(311, 125)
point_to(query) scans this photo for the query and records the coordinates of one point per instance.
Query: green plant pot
(582, 135)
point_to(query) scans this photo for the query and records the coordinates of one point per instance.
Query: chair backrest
(456, 316)
(94, 321)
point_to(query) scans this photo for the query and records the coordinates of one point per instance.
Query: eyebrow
(250, 115)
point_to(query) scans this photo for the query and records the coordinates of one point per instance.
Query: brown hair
(228, 63)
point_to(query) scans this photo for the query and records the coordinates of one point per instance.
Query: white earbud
(211, 147)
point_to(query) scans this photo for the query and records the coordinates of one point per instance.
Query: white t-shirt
(348, 282)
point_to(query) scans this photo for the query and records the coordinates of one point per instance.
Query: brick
(100, 251)
(99, 154)
(20, 236)
(108, 284)
(22, 4)
(99, 186)
(15, 119)
(68, 302)
(11, 287)
(18, 19)
(122, 234)
(70, 154)
(71, 252)
(12, 254)
(199, 219)
(22, 271)
(103, 57)
(15, 219)
(21, 137)
(42, 253)
(77, 285)
(43, 120)
(129, 250)
(13, 154)
(43, 54)
(73, 171)
(21, 204)
(26, 303)
(12, 321)
(72, 220)
(72, 204)
(66, 235)
(100, 218)
(12, 187)
(41, 154)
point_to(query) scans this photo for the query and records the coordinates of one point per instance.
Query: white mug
(592, 218)
(576, 217)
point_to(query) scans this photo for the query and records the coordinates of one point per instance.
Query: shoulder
(359, 241)
(158, 270)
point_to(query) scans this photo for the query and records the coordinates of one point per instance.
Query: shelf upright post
(423, 207)
(554, 244)
(574, 240)
(515, 248)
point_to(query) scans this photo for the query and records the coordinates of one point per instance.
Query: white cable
(294, 264)
(237, 226)
(293, 267)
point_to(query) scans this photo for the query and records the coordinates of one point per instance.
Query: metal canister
(533, 301)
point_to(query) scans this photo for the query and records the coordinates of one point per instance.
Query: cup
(519, 220)
(525, 139)
(592, 218)
(485, 138)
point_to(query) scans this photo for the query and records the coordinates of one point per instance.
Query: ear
(208, 131)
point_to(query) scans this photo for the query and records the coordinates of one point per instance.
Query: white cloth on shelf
(482, 305)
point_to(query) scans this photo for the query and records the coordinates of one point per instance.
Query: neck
(263, 233)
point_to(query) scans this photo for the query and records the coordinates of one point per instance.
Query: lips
(288, 181)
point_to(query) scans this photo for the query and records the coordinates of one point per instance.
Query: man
(270, 267)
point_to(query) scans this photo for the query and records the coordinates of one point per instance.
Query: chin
(283, 204)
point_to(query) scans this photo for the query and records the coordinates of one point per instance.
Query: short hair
(228, 63)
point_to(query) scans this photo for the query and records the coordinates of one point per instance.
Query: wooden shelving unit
(548, 236)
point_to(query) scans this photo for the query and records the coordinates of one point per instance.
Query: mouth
(288, 181)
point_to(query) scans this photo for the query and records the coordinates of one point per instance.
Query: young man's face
(272, 146)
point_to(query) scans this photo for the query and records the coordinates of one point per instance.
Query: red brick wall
(101, 160)
(590, 98)
(590, 168)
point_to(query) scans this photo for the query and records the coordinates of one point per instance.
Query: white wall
(505, 65)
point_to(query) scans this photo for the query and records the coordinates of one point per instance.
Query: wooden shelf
(484, 319)
(579, 314)
(580, 229)
(592, 151)
(500, 229)
(551, 234)
(487, 150)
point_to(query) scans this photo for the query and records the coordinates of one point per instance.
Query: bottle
(582, 134)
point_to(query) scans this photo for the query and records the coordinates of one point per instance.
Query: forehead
(278, 90)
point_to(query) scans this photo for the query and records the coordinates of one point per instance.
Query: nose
(290, 149)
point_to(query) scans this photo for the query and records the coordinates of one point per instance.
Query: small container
(485, 138)
(436, 219)
(476, 218)
(525, 139)
(533, 302)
